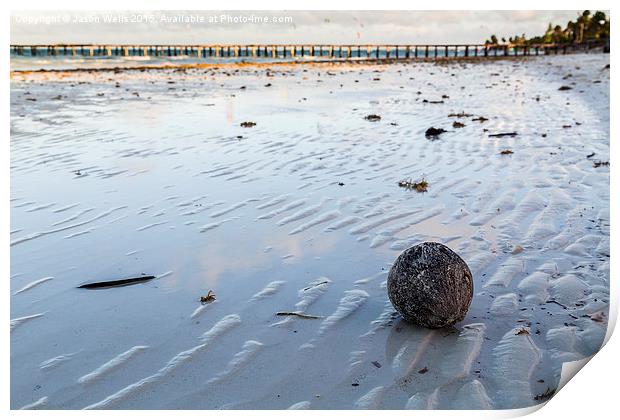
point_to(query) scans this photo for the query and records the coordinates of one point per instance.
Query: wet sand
(131, 173)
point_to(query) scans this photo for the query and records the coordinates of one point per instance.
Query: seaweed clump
(433, 133)
(545, 395)
(408, 184)
(210, 297)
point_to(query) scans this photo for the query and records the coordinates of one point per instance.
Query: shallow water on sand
(118, 174)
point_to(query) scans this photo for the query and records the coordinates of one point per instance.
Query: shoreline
(309, 63)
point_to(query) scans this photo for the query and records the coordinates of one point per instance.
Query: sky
(258, 27)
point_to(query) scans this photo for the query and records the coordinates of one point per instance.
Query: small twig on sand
(557, 303)
(299, 314)
(315, 285)
(511, 134)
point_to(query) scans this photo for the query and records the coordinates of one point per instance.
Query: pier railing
(287, 51)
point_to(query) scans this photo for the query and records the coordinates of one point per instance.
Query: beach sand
(119, 173)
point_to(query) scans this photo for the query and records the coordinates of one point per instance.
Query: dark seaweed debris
(545, 395)
(506, 152)
(372, 117)
(247, 124)
(511, 134)
(460, 115)
(433, 132)
(523, 331)
(116, 283)
(421, 186)
(565, 88)
(210, 297)
(458, 124)
(298, 314)
(600, 163)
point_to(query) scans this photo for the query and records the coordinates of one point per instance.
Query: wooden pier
(293, 52)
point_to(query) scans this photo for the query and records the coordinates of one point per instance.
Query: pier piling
(344, 52)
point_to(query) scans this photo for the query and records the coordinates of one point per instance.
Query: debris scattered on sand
(506, 152)
(545, 395)
(510, 134)
(565, 88)
(247, 124)
(423, 370)
(557, 303)
(461, 114)
(426, 101)
(298, 314)
(590, 155)
(458, 124)
(433, 132)
(116, 283)
(598, 316)
(421, 186)
(210, 297)
(376, 364)
(600, 163)
(315, 285)
(522, 331)
(372, 117)
(480, 119)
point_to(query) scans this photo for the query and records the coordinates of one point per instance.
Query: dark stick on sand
(116, 283)
(299, 314)
(511, 134)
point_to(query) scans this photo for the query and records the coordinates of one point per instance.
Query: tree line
(587, 27)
